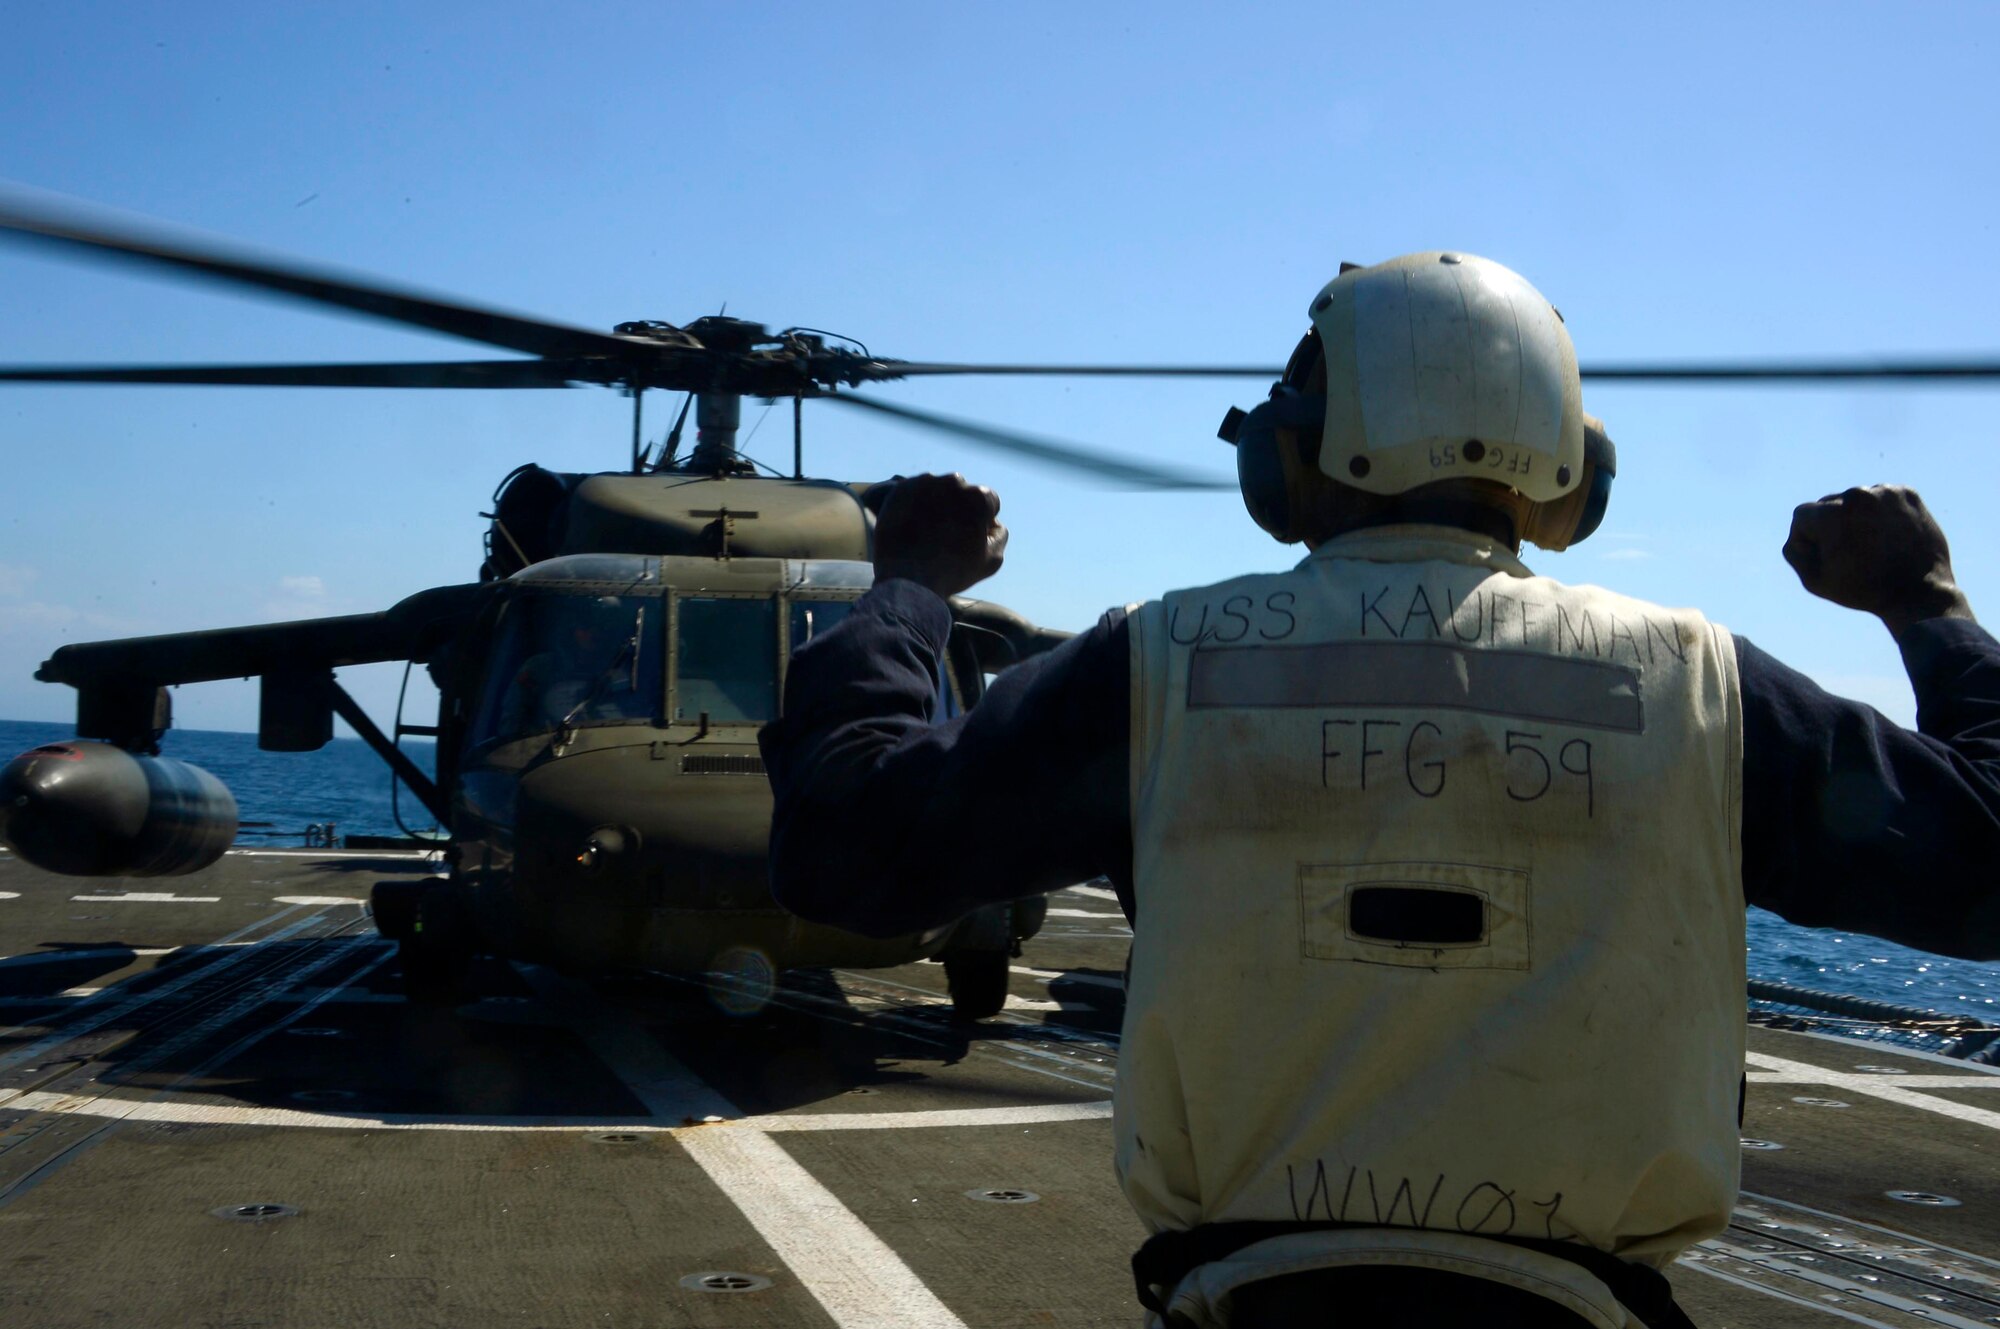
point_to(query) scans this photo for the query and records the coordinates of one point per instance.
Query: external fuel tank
(94, 810)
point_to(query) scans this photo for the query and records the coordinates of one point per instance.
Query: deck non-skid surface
(175, 1057)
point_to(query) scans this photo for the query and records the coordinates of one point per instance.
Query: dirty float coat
(1427, 847)
(1848, 821)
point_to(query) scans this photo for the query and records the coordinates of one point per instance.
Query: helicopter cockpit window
(726, 660)
(574, 661)
(812, 617)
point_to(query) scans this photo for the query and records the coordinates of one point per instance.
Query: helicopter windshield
(726, 659)
(812, 617)
(572, 661)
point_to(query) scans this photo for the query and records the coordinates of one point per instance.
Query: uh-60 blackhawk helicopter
(602, 683)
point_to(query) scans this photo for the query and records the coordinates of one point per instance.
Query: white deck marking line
(1094, 892)
(83, 953)
(10, 895)
(1885, 1087)
(1901, 1081)
(317, 899)
(229, 1114)
(1067, 1034)
(1049, 975)
(1025, 1115)
(50, 1000)
(1013, 1003)
(849, 1270)
(147, 897)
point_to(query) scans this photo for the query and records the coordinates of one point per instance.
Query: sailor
(1437, 868)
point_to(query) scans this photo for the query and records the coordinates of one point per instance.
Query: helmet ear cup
(1571, 519)
(1277, 443)
(1270, 467)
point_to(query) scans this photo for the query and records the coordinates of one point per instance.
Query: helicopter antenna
(672, 446)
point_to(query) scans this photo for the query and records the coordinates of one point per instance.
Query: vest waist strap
(1576, 1276)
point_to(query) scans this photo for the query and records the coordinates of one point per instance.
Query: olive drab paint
(1440, 913)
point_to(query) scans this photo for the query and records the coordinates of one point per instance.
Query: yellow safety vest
(1440, 907)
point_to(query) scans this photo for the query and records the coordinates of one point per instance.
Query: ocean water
(344, 783)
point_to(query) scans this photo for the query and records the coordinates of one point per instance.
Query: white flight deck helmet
(1446, 366)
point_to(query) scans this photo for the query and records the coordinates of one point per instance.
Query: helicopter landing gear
(433, 942)
(975, 964)
(433, 975)
(978, 982)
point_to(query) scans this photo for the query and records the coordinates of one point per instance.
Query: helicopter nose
(634, 831)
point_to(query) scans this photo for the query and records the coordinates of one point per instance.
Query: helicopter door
(725, 669)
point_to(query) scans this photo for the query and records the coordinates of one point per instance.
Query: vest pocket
(1420, 915)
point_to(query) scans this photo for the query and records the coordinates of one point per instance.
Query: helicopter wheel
(433, 975)
(978, 982)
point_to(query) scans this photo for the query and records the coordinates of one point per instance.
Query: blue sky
(1111, 183)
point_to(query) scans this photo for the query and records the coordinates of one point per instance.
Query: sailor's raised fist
(939, 531)
(1878, 550)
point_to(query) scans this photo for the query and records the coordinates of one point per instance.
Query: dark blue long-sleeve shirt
(886, 823)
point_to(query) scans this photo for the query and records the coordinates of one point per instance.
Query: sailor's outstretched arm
(1849, 820)
(885, 823)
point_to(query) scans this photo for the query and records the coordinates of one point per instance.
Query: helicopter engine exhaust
(94, 810)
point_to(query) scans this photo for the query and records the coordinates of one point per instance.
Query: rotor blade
(1778, 371)
(1749, 371)
(1136, 475)
(439, 374)
(20, 220)
(913, 369)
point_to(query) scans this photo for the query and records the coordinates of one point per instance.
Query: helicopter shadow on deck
(54, 967)
(501, 1053)
(1093, 1000)
(380, 867)
(810, 1045)
(367, 1051)
(359, 1047)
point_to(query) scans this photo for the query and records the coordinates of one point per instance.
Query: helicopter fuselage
(608, 805)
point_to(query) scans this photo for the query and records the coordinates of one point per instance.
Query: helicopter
(602, 682)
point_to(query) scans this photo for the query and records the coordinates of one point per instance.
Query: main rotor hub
(722, 333)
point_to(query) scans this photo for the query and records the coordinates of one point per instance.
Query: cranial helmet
(1435, 366)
